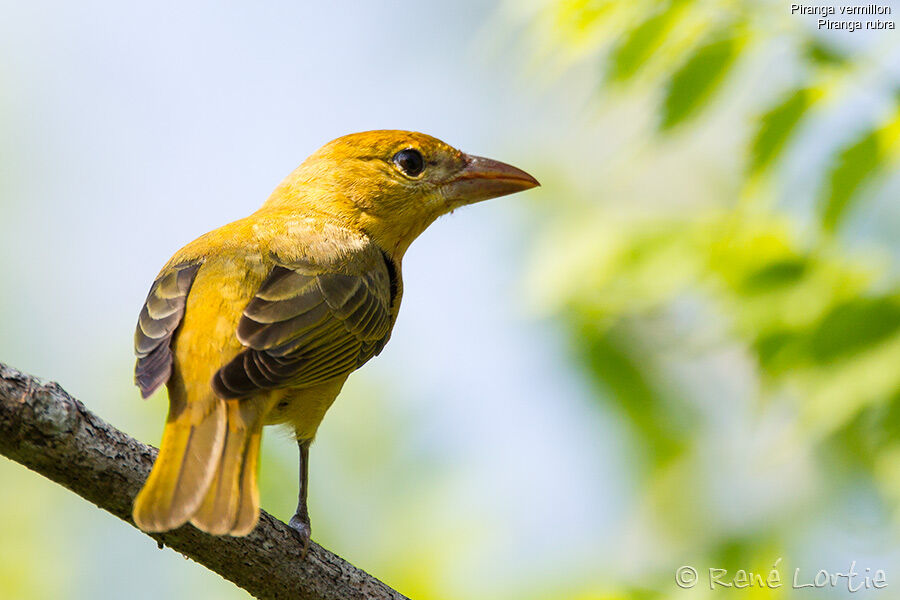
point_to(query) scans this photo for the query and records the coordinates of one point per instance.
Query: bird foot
(303, 531)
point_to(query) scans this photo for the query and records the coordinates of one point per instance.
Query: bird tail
(231, 503)
(188, 456)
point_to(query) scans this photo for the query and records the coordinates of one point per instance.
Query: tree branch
(50, 432)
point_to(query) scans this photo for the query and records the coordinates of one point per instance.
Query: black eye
(410, 161)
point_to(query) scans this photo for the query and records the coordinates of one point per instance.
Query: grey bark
(51, 433)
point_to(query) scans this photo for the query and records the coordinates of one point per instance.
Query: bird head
(392, 184)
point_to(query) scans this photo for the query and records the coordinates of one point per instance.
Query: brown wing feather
(160, 317)
(305, 326)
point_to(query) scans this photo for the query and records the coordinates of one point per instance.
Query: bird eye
(410, 161)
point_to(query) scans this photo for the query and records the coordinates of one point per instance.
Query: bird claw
(303, 531)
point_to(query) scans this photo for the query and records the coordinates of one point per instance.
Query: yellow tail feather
(231, 505)
(187, 461)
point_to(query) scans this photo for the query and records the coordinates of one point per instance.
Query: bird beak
(483, 179)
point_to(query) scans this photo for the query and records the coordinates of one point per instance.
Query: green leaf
(856, 165)
(776, 127)
(639, 44)
(625, 377)
(694, 83)
(852, 168)
(581, 16)
(854, 326)
(779, 351)
(824, 54)
(774, 275)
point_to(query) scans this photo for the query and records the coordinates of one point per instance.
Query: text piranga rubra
(261, 321)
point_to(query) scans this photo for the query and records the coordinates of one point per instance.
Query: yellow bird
(261, 321)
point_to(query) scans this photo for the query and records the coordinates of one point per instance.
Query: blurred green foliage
(697, 79)
(873, 151)
(776, 126)
(652, 300)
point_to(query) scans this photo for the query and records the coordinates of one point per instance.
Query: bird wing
(306, 325)
(160, 316)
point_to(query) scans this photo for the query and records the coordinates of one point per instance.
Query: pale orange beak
(483, 179)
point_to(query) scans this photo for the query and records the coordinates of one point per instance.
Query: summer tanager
(261, 321)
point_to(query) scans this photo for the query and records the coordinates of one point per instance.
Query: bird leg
(300, 521)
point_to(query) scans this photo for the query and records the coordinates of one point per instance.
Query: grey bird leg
(300, 521)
